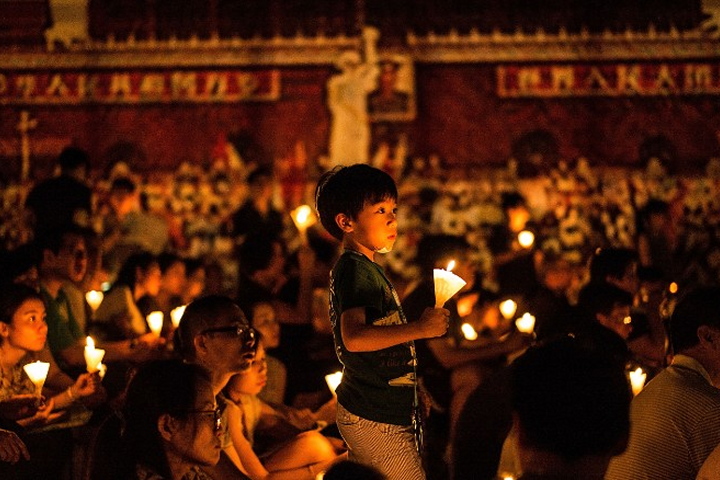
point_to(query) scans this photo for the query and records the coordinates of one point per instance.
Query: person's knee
(316, 442)
(467, 378)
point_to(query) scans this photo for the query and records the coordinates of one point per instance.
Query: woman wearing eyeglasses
(172, 422)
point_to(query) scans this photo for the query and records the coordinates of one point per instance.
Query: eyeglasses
(246, 334)
(216, 417)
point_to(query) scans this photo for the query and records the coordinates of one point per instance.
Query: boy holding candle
(374, 342)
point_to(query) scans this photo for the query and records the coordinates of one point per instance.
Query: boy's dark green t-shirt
(377, 385)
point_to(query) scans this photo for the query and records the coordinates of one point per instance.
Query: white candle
(94, 299)
(469, 332)
(303, 217)
(333, 380)
(93, 356)
(508, 308)
(176, 314)
(637, 380)
(37, 371)
(447, 284)
(526, 238)
(526, 323)
(155, 322)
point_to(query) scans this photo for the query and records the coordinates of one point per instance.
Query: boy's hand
(434, 322)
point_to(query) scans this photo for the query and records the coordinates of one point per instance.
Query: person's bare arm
(451, 356)
(360, 337)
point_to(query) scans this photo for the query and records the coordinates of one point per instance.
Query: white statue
(70, 22)
(347, 99)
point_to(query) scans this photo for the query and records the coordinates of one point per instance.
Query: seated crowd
(231, 383)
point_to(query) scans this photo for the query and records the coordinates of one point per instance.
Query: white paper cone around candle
(93, 356)
(526, 323)
(303, 217)
(94, 299)
(508, 309)
(155, 322)
(469, 332)
(637, 380)
(176, 315)
(447, 284)
(333, 380)
(37, 371)
(526, 238)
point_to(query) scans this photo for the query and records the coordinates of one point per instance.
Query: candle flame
(333, 380)
(469, 332)
(526, 238)
(450, 266)
(526, 323)
(673, 288)
(637, 380)
(508, 308)
(90, 342)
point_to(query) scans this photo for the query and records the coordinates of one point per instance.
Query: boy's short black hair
(700, 306)
(570, 400)
(348, 190)
(123, 184)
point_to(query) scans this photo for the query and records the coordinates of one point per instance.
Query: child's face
(252, 380)
(375, 228)
(264, 322)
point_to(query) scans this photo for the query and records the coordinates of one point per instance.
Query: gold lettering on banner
(665, 79)
(698, 77)
(596, 80)
(120, 85)
(86, 86)
(563, 78)
(247, 84)
(26, 85)
(215, 85)
(528, 79)
(3, 83)
(628, 79)
(183, 85)
(152, 85)
(57, 87)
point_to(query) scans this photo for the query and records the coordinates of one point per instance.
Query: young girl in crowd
(295, 450)
(118, 316)
(23, 333)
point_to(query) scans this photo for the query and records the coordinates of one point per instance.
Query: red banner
(626, 79)
(138, 86)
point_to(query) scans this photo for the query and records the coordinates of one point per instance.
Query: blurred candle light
(37, 371)
(303, 217)
(526, 323)
(93, 356)
(508, 309)
(673, 288)
(469, 332)
(94, 299)
(637, 380)
(155, 322)
(176, 315)
(526, 238)
(447, 284)
(333, 380)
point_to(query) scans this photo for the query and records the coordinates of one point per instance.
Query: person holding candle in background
(23, 333)
(675, 419)
(377, 397)
(452, 366)
(63, 258)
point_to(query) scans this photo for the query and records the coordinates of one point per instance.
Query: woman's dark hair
(700, 306)
(159, 387)
(11, 297)
(167, 259)
(127, 275)
(347, 190)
